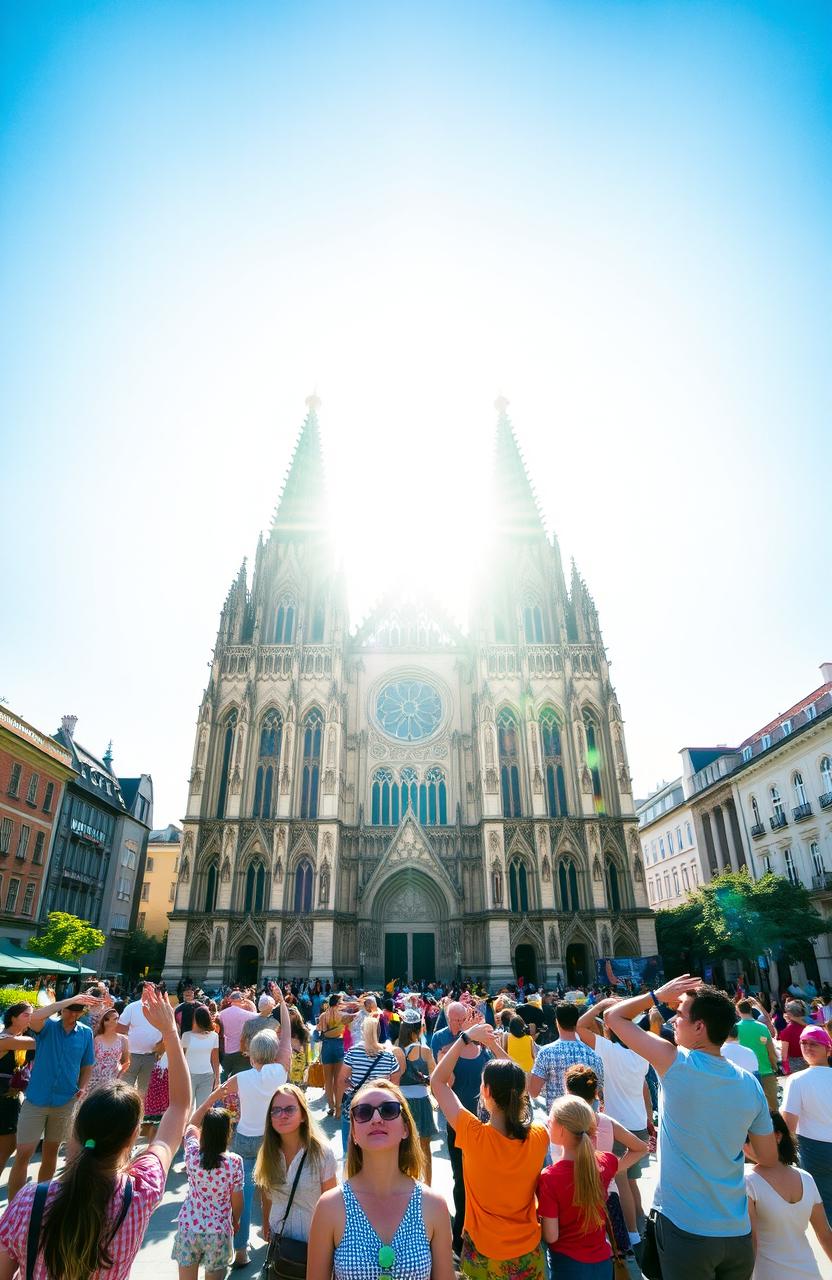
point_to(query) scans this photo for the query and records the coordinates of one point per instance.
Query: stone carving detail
(368, 940)
(278, 869)
(200, 752)
(218, 937)
(605, 941)
(228, 840)
(196, 781)
(546, 869)
(327, 844)
(638, 869)
(236, 781)
(225, 873)
(553, 942)
(271, 951)
(634, 841)
(323, 882)
(497, 883)
(597, 873)
(409, 849)
(188, 845)
(383, 749)
(624, 778)
(594, 839)
(538, 782)
(586, 781)
(279, 840)
(408, 904)
(494, 842)
(185, 873)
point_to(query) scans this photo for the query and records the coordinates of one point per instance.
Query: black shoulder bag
(36, 1218)
(286, 1259)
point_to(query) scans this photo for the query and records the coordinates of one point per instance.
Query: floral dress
(203, 1234)
(108, 1057)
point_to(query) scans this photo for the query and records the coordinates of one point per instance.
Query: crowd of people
(734, 1094)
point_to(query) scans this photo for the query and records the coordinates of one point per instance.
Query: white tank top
(256, 1089)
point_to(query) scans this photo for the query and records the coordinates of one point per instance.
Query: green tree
(736, 918)
(66, 938)
(143, 951)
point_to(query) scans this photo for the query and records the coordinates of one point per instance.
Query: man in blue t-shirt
(63, 1064)
(710, 1108)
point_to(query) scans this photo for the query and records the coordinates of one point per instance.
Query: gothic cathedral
(407, 799)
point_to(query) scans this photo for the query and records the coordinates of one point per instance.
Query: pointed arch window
(311, 770)
(385, 799)
(613, 885)
(594, 761)
(568, 885)
(303, 887)
(271, 737)
(518, 885)
(533, 623)
(255, 887)
(509, 763)
(227, 741)
(553, 762)
(433, 799)
(209, 902)
(284, 621)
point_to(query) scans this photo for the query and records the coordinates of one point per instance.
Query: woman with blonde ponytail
(572, 1194)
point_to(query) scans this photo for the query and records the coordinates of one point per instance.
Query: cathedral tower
(408, 799)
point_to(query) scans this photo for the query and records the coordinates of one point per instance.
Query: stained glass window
(509, 764)
(409, 710)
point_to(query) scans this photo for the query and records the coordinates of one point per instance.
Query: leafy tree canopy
(735, 917)
(65, 937)
(142, 951)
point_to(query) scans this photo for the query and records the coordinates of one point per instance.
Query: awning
(14, 959)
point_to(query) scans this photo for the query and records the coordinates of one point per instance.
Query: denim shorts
(332, 1050)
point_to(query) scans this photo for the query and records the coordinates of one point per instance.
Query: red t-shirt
(790, 1035)
(555, 1193)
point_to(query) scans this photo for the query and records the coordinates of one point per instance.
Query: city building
(408, 797)
(100, 845)
(672, 859)
(34, 770)
(783, 788)
(158, 891)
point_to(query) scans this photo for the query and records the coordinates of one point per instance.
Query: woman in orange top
(502, 1164)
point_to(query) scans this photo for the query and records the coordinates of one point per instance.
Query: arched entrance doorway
(577, 964)
(525, 963)
(248, 963)
(409, 930)
(196, 964)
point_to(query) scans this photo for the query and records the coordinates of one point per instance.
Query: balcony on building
(802, 811)
(758, 830)
(823, 881)
(825, 801)
(779, 820)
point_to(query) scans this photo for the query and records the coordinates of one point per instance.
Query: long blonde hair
(578, 1119)
(369, 1034)
(411, 1159)
(270, 1168)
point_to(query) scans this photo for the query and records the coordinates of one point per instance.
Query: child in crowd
(211, 1211)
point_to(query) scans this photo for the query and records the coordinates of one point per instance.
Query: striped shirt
(148, 1178)
(362, 1065)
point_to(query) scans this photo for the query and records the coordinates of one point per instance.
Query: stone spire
(301, 509)
(516, 510)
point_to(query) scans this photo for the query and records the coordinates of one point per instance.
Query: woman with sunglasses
(293, 1146)
(383, 1223)
(501, 1164)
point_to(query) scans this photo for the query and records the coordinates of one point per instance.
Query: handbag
(315, 1074)
(620, 1270)
(650, 1262)
(286, 1259)
(348, 1097)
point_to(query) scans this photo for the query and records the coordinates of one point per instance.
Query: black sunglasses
(363, 1112)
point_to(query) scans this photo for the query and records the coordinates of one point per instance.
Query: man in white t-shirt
(807, 1110)
(626, 1099)
(740, 1054)
(142, 1039)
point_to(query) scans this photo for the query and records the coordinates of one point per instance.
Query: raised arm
(587, 1025)
(17, 1042)
(156, 1008)
(39, 1016)
(284, 1042)
(619, 1018)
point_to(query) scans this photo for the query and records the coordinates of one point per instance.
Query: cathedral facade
(408, 799)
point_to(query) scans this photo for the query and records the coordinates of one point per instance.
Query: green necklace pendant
(386, 1257)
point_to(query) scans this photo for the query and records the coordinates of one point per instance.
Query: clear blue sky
(616, 213)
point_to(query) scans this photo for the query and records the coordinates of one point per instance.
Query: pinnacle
(518, 512)
(300, 508)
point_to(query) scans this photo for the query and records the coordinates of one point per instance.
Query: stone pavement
(155, 1263)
